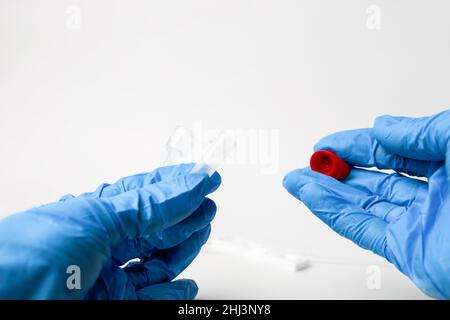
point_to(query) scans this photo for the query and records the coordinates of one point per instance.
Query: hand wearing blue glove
(403, 219)
(163, 218)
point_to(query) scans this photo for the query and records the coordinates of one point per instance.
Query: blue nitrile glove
(162, 217)
(403, 219)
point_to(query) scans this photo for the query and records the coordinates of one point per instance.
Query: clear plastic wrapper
(184, 147)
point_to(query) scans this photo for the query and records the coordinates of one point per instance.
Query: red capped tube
(327, 162)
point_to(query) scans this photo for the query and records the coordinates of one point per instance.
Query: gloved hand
(403, 219)
(161, 217)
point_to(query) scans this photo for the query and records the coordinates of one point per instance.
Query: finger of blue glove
(139, 212)
(112, 284)
(424, 138)
(66, 197)
(361, 148)
(352, 189)
(183, 289)
(395, 188)
(166, 238)
(140, 180)
(136, 181)
(338, 206)
(165, 265)
(178, 233)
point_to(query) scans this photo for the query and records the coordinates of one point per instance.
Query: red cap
(327, 162)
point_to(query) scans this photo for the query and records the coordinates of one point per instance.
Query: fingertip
(295, 180)
(325, 143)
(183, 289)
(385, 120)
(209, 184)
(310, 187)
(66, 197)
(190, 289)
(210, 208)
(169, 172)
(292, 179)
(289, 180)
(199, 238)
(384, 124)
(203, 215)
(310, 193)
(194, 180)
(215, 180)
(204, 234)
(191, 285)
(337, 141)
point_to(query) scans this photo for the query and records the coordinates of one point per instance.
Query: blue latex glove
(161, 217)
(403, 219)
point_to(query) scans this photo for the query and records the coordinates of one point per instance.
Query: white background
(79, 107)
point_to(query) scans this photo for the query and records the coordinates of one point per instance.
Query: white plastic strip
(255, 252)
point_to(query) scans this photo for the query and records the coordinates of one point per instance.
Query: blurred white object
(257, 252)
(180, 146)
(184, 147)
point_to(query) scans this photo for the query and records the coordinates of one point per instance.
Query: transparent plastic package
(184, 147)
